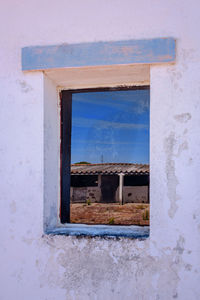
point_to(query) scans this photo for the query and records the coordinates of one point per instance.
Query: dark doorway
(136, 180)
(109, 185)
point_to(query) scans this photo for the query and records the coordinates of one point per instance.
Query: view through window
(105, 156)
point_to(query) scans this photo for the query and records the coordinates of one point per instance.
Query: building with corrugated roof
(110, 182)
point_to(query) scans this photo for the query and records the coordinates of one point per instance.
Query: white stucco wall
(165, 266)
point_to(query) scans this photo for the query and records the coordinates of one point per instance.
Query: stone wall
(135, 194)
(83, 194)
(131, 194)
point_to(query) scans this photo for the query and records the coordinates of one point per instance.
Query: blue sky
(110, 125)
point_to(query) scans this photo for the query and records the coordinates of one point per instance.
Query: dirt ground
(112, 213)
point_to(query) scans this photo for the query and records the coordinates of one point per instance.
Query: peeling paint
(172, 180)
(72, 269)
(182, 147)
(183, 118)
(188, 267)
(158, 50)
(25, 87)
(175, 296)
(180, 245)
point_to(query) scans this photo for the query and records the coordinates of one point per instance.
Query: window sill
(134, 232)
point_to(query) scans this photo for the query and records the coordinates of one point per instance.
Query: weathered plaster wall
(165, 266)
(135, 194)
(82, 194)
(131, 194)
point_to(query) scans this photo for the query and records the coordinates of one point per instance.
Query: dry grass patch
(112, 213)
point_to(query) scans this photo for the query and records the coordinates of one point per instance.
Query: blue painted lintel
(159, 50)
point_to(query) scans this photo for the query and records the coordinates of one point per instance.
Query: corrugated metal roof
(109, 168)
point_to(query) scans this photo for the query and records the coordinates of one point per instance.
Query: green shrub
(88, 202)
(146, 215)
(111, 221)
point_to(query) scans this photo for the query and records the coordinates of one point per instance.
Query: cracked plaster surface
(81, 267)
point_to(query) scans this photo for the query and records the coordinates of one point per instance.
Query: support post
(121, 182)
(99, 187)
(99, 181)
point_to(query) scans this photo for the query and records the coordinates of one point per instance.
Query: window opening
(105, 156)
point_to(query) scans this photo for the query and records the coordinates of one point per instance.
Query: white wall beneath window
(166, 266)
